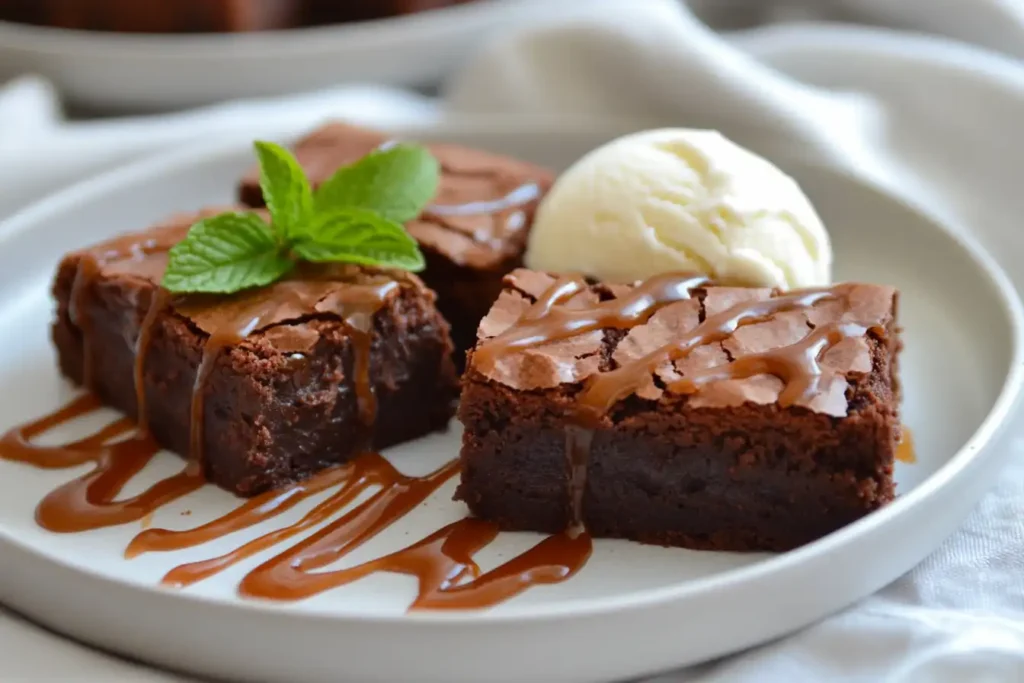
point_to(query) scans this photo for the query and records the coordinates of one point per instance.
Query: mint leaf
(359, 236)
(225, 254)
(355, 217)
(286, 190)
(396, 182)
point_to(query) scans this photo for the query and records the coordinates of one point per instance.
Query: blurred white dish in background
(148, 72)
(681, 200)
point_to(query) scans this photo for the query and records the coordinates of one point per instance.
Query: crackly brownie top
(675, 334)
(352, 293)
(485, 202)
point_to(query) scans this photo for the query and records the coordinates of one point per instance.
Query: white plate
(132, 71)
(633, 609)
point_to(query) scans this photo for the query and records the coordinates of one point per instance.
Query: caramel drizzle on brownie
(520, 196)
(226, 335)
(161, 299)
(605, 390)
(448, 576)
(88, 269)
(549, 319)
(797, 365)
(514, 203)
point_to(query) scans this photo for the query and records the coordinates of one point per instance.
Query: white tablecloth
(931, 106)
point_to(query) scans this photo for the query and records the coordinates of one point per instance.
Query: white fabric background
(925, 97)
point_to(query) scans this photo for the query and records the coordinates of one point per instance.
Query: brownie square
(158, 16)
(727, 464)
(197, 16)
(334, 11)
(472, 235)
(282, 403)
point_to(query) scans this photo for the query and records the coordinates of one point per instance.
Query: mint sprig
(360, 236)
(354, 217)
(396, 183)
(225, 254)
(286, 190)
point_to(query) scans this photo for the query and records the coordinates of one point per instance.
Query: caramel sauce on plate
(448, 576)
(905, 451)
(90, 501)
(443, 564)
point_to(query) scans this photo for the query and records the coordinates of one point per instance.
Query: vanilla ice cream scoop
(680, 200)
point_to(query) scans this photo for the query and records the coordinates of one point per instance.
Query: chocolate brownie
(156, 16)
(472, 235)
(298, 376)
(684, 414)
(332, 11)
(198, 16)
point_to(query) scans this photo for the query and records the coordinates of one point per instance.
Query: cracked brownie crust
(472, 235)
(727, 467)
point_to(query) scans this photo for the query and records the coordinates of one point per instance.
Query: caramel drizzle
(550, 319)
(605, 390)
(88, 268)
(905, 451)
(292, 574)
(448, 576)
(397, 495)
(521, 196)
(89, 502)
(524, 194)
(254, 511)
(357, 306)
(440, 561)
(160, 300)
(797, 365)
(218, 341)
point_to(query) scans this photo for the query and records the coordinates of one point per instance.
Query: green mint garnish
(354, 217)
(396, 183)
(286, 191)
(224, 254)
(360, 236)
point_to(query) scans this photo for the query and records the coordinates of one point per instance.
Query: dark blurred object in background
(336, 11)
(204, 16)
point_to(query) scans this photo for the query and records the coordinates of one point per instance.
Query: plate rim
(972, 452)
